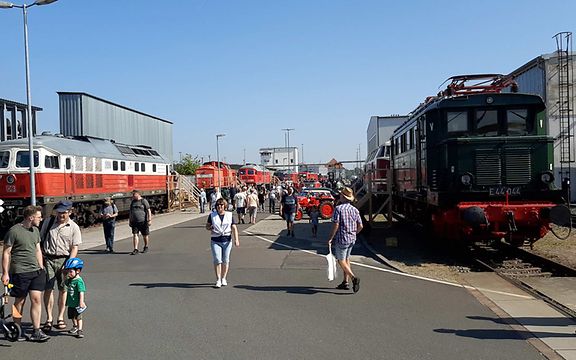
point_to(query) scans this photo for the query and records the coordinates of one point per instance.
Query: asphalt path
(278, 305)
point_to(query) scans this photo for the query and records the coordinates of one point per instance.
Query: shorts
(241, 210)
(73, 314)
(25, 282)
(343, 252)
(140, 227)
(221, 251)
(289, 217)
(54, 273)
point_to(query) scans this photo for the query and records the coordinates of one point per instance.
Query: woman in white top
(223, 230)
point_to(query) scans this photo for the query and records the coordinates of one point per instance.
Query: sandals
(47, 326)
(60, 325)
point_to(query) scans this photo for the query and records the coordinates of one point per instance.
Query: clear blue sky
(249, 68)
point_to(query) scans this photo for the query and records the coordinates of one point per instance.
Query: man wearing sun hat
(347, 223)
(60, 238)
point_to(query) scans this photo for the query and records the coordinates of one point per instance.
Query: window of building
(457, 122)
(487, 122)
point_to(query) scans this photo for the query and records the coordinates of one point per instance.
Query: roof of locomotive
(87, 146)
(254, 166)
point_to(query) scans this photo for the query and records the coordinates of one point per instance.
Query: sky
(250, 68)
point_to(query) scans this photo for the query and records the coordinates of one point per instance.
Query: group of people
(35, 260)
(346, 224)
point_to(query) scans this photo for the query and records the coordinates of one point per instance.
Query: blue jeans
(221, 251)
(109, 233)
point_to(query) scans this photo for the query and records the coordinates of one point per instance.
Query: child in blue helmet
(76, 295)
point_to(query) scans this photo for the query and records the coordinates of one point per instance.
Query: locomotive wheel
(298, 215)
(326, 210)
(13, 331)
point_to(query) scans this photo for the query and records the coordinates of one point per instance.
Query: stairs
(183, 193)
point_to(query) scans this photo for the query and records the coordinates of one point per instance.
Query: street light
(288, 146)
(30, 132)
(218, 136)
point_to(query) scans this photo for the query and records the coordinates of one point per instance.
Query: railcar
(476, 162)
(83, 170)
(377, 167)
(254, 174)
(209, 175)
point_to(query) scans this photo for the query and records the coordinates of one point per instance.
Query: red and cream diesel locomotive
(209, 175)
(254, 174)
(80, 169)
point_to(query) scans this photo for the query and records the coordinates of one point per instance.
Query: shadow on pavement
(499, 334)
(173, 285)
(537, 321)
(301, 290)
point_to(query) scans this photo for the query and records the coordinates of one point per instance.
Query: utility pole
(287, 136)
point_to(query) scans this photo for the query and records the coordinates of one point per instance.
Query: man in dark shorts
(23, 265)
(288, 209)
(140, 220)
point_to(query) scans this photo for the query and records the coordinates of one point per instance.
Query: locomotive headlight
(546, 177)
(466, 179)
(10, 179)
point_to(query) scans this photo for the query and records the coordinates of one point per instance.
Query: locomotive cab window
(457, 122)
(251, 172)
(51, 162)
(4, 159)
(487, 122)
(517, 122)
(68, 164)
(23, 159)
(115, 165)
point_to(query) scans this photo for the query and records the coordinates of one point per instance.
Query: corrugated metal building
(83, 114)
(540, 76)
(380, 129)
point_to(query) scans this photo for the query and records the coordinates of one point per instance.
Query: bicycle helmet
(73, 263)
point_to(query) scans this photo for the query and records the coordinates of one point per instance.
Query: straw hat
(347, 193)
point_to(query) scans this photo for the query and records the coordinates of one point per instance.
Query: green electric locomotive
(476, 162)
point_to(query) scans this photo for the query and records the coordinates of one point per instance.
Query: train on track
(81, 169)
(209, 175)
(476, 162)
(253, 174)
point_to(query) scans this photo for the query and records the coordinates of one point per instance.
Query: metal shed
(380, 129)
(82, 114)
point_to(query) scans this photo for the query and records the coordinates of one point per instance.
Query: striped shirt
(347, 217)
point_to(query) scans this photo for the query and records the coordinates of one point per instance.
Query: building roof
(17, 104)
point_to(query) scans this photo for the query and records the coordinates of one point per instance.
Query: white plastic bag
(332, 272)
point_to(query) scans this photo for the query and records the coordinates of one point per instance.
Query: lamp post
(30, 130)
(218, 136)
(288, 146)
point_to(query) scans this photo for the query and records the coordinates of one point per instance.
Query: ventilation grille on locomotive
(488, 167)
(518, 166)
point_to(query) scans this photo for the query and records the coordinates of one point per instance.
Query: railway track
(516, 264)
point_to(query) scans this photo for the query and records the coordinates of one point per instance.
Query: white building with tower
(280, 158)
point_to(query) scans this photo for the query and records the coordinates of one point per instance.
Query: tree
(188, 165)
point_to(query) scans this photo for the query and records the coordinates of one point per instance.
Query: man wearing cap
(60, 240)
(347, 223)
(140, 220)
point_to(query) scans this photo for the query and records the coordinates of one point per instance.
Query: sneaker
(145, 250)
(224, 282)
(39, 336)
(355, 284)
(343, 286)
(79, 334)
(21, 337)
(218, 284)
(134, 252)
(73, 331)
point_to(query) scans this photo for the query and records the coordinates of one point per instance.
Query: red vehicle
(84, 170)
(254, 174)
(208, 175)
(319, 197)
(377, 167)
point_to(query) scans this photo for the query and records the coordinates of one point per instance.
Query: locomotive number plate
(11, 188)
(503, 190)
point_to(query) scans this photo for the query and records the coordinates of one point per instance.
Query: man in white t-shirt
(240, 200)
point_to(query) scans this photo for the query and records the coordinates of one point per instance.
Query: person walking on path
(140, 221)
(314, 215)
(252, 205)
(61, 237)
(223, 230)
(203, 200)
(23, 265)
(272, 201)
(262, 198)
(288, 209)
(240, 199)
(214, 195)
(75, 301)
(347, 223)
(108, 214)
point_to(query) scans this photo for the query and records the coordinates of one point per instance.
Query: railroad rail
(515, 264)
